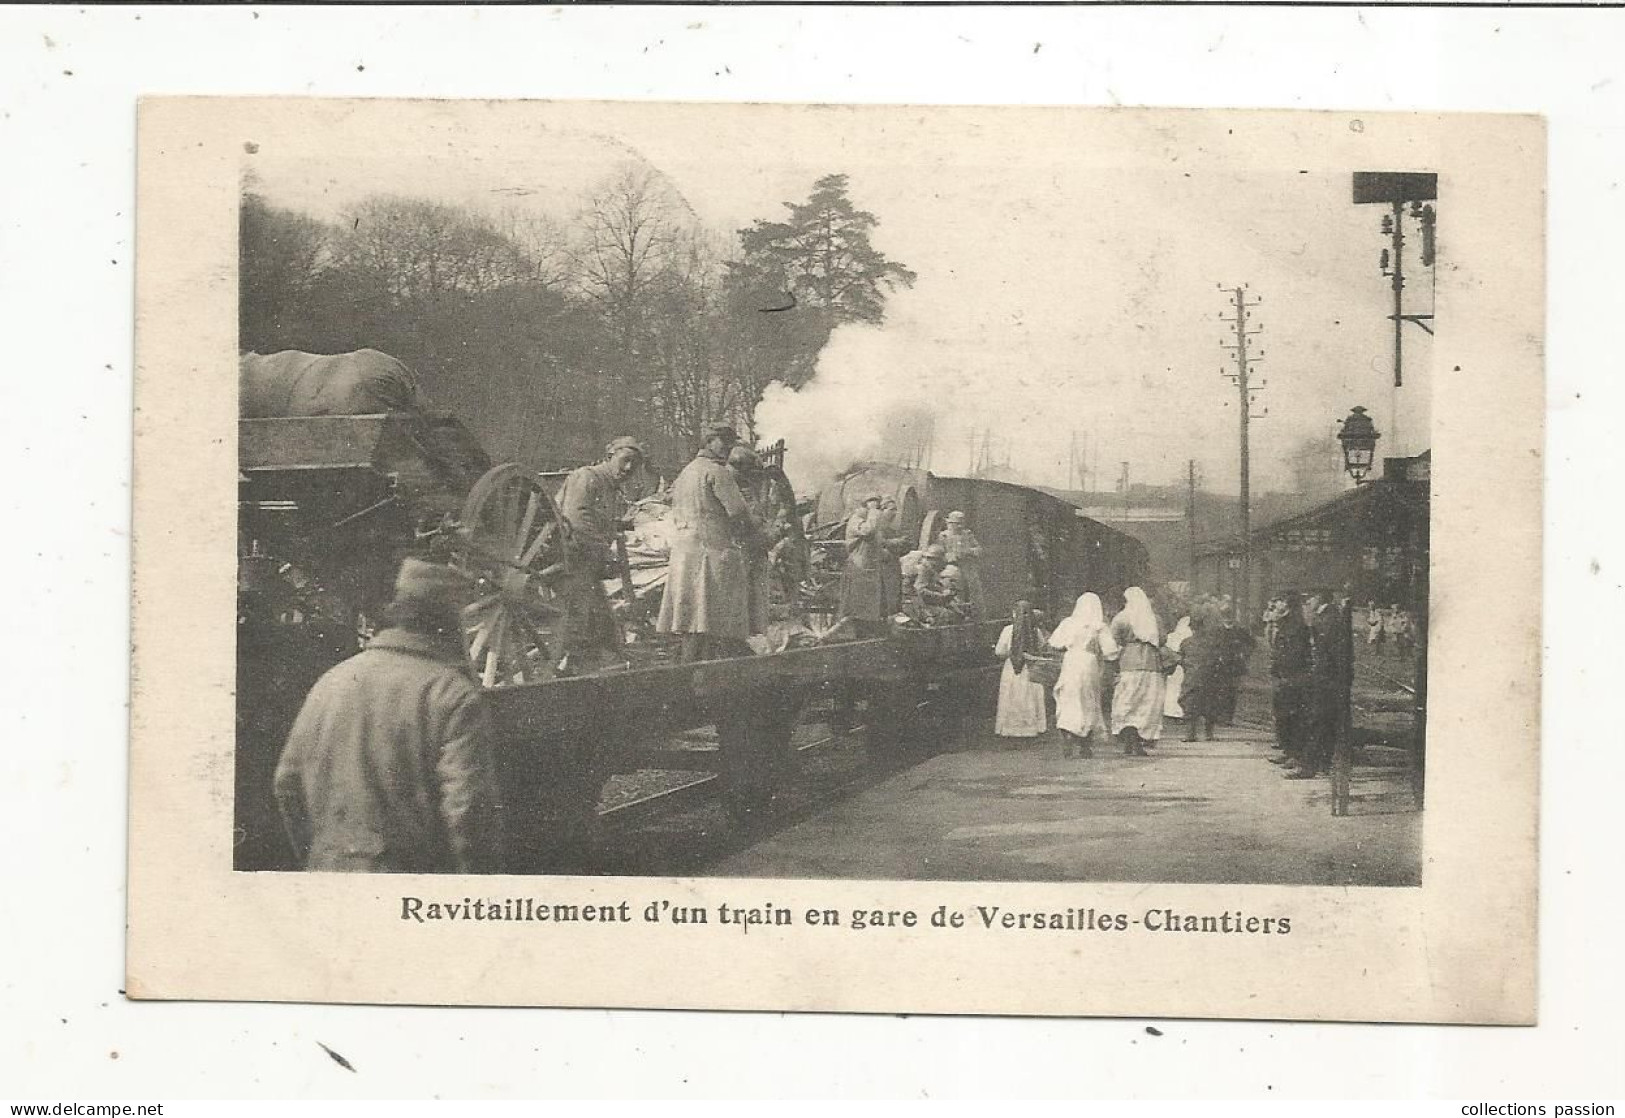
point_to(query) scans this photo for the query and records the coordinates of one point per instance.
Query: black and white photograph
(842, 546)
(846, 510)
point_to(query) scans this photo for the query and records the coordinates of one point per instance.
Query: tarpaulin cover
(292, 383)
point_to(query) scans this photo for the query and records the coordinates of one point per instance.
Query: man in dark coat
(1329, 633)
(1290, 673)
(390, 766)
(1235, 647)
(1203, 656)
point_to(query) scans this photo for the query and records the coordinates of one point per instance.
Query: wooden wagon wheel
(513, 544)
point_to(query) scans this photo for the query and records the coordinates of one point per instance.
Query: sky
(1071, 281)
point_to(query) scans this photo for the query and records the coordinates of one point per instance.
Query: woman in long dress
(1137, 699)
(1176, 679)
(1086, 640)
(1021, 712)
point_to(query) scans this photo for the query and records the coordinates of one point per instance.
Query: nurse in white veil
(1086, 641)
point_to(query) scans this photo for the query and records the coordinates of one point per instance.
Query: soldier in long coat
(872, 580)
(746, 469)
(707, 597)
(390, 767)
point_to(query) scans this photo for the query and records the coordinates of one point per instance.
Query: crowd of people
(886, 580)
(1120, 679)
(1311, 670)
(1391, 630)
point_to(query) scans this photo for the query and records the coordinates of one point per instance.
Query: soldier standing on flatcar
(707, 599)
(871, 581)
(746, 469)
(961, 548)
(594, 506)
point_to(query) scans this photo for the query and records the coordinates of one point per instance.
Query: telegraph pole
(1241, 376)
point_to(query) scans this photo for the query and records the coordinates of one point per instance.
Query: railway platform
(994, 809)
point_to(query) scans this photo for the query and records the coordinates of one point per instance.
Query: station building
(1372, 539)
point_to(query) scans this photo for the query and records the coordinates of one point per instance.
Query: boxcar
(1035, 545)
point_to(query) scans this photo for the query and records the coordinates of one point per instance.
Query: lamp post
(1359, 437)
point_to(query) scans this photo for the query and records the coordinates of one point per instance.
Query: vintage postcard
(998, 560)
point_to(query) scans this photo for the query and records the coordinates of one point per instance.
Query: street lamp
(1359, 438)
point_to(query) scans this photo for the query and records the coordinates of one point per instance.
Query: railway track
(686, 793)
(683, 826)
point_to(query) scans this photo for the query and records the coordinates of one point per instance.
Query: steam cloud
(868, 400)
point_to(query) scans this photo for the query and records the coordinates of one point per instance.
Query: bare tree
(419, 251)
(629, 227)
(542, 244)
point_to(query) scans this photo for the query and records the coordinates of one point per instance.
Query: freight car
(330, 503)
(1034, 545)
(328, 506)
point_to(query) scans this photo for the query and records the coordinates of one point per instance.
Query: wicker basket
(1042, 670)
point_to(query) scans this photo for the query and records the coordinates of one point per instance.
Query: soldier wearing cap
(871, 580)
(390, 766)
(962, 549)
(928, 594)
(593, 503)
(746, 469)
(707, 599)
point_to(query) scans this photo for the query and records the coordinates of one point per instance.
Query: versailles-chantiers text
(744, 918)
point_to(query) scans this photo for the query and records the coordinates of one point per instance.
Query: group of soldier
(390, 765)
(1311, 671)
(732, 524)
(883, 579)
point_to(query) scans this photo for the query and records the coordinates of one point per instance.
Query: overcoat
(963, 550)
(390, 766)
(708, 581)
(1204, 657)
(592, 503)
(872, 580)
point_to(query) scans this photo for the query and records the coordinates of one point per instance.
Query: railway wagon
(1034, 545)
(329, 504)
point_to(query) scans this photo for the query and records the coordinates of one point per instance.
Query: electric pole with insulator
(1241, 376)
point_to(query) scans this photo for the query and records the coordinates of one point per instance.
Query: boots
(1074, 746)
(1132, 745)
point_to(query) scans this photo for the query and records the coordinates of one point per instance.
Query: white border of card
(1459, 948)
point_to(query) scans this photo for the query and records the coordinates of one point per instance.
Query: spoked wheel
(513, 546)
